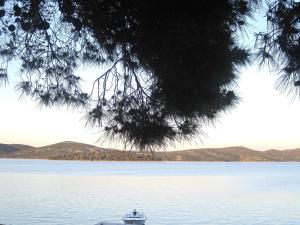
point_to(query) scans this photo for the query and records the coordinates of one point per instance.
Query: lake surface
(41, 192)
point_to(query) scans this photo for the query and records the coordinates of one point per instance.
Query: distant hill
(217, 154)
(286, 155)
(78, 151)
(5, 148)
(68, 151)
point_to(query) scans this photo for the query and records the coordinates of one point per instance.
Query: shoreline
(146, 161)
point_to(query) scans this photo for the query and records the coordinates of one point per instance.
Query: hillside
(79, 151)
(286, 155)
(5, 148)
(68, 151)
(217, 154)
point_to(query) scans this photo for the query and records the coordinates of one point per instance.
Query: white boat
(134, 218)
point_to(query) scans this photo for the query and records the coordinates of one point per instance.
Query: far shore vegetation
(80, 151)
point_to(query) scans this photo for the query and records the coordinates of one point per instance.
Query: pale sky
(264, 119)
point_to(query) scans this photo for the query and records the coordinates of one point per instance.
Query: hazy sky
(264, 118)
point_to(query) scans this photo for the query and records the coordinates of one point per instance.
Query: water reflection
(39, 192)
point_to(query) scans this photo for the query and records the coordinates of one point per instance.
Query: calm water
(40, 192)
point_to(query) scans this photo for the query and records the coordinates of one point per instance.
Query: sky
(264, 118)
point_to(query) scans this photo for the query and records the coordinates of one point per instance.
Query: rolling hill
(6, 148)
(78, 151)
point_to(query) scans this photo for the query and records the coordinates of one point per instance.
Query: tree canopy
(170, 64)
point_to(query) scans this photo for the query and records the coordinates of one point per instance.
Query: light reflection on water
(40, 192)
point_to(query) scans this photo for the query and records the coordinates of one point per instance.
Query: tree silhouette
(280, 44)
(171, 64)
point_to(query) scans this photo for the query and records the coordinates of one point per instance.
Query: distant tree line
(108, 155)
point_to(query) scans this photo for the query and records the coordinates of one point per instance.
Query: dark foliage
(170, 63)
(280, 44)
